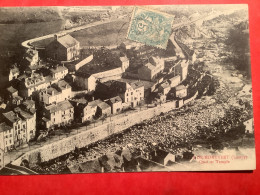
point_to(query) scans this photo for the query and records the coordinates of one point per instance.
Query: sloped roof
(136, 84)
(67, 41)
(11, 116)
(62, 106)
(4, 127)
(58, 69)
(103, 105)
(115, 99)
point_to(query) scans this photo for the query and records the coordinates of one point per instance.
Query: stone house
(164, 88)
(57, 93)
(59, 72)
(6, 137)
(85, 81)
(116, 104)
(63, 48)
(57, 114)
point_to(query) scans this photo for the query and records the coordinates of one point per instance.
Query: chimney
(56, 37)
(93, 98)
(102, 169)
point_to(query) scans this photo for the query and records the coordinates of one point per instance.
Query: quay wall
(66, 145)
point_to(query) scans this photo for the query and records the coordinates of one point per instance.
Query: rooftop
(52, 91)
(11, 116)
(67, 41)
(103, 105)
(115, 99)
(62, 106)
(63, 84)
(136, 85)
(23, 114)
(58, 69)
(4, 127)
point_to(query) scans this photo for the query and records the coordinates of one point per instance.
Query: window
(10, 141)
(131, 93)
(126, 94)
(24, 126)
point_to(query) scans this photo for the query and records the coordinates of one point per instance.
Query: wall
(83, 62)
(87, 137)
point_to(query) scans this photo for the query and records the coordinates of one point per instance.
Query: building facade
(58, 114)
(116, 104)
(57, 93)
(59, 72)
(85, 81)
(63, 48)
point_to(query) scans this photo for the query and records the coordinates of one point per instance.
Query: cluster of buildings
(18, 126)
(50, 85)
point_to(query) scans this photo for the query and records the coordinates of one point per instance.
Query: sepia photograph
(98, 89)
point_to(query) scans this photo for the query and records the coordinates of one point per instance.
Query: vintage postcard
(125, 89)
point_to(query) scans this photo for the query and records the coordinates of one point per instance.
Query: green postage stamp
(150, 27)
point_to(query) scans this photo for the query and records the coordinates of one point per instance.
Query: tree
(237, 43)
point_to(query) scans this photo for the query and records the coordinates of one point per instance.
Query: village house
(181, 91)
(6, 137)
(116, 104)
(31, 58)
(164, 88)
(63, 48)
(19, 127)
(13, 73)
(29, 116)
(103, 109)
(131, 93)
(57, 114)
(85, 81)
(150, 70)
(31, 84)
(28, 106)
(13, 96)
(83, 110)
(58, 92)
(59, 72)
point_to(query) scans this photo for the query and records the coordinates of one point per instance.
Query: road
(27, 43)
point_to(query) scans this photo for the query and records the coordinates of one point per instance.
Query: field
(112, 33)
